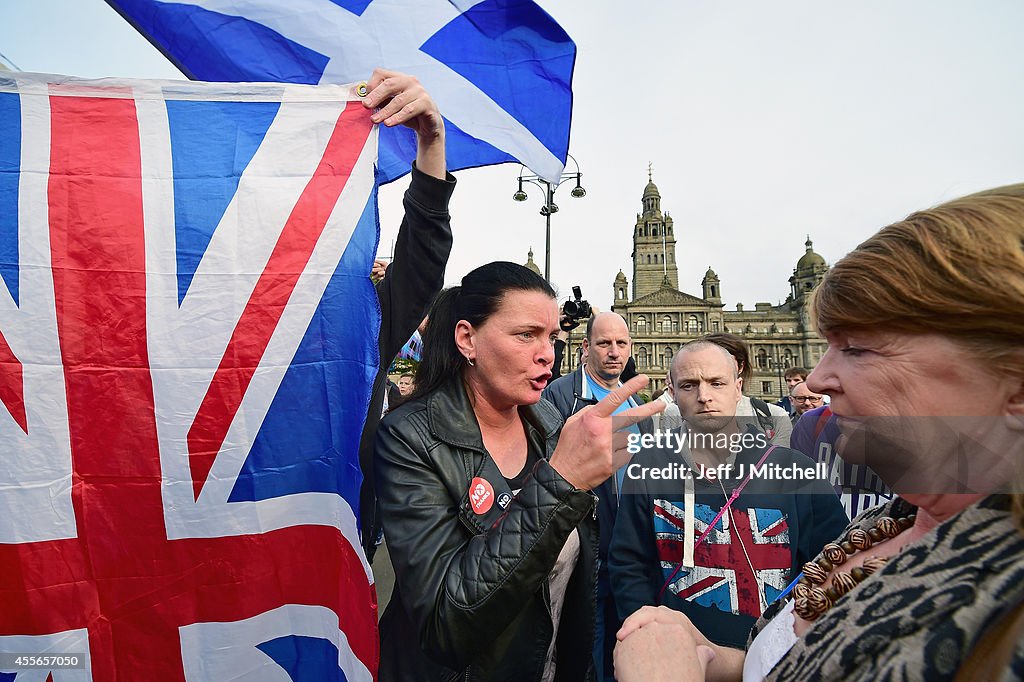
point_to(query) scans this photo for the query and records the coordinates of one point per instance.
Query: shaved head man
(663, 551)
(706, 383)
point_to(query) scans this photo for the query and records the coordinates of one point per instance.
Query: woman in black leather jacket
(485, 495)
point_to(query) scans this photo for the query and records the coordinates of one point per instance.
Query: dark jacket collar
(451, 419)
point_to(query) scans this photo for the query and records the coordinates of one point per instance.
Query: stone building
(661, 317)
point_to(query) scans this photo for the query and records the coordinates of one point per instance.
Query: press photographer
(573, 311)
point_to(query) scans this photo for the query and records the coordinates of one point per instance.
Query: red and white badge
(481, 495)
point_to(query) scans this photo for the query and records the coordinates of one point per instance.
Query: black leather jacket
(415, 276)
(471, 595)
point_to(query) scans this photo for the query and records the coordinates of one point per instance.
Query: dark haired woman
(485, 495)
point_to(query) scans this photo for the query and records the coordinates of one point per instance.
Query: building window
(622, 293)
(762, 359)
(641, 324)
(714, 325)
(713, 292)
(766, 388)
(668, 357)
(641, 358)
(654, 231)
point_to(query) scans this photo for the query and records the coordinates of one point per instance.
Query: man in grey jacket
(607, 347)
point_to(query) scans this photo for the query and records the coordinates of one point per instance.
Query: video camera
(576, 309)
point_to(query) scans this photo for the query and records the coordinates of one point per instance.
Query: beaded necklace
(811, 600)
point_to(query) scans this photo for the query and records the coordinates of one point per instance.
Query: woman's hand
(661, 652)
(402, 100)
(591, 448)
(646, 615)
(716, 662)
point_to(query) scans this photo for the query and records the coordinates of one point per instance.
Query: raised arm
(402, 100)
(416, 274)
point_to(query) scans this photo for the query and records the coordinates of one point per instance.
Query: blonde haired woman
(925, 367)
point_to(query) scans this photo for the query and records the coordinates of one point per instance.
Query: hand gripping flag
(500, 70)
(187, 347)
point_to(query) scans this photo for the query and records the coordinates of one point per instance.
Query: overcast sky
(764, 122)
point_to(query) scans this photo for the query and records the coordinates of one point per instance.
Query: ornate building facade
(661, 317)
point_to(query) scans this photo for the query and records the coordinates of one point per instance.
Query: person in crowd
(859, 488)
(486, 497)
(406, 285)
(406, 384)
(565, 326)
(792, 376)
(607, 346)
(925, 368)
(803, 399)
(391, 396)
(721, 547)
(398, 393)
(772, 419)
(629, 371)
(669, 419)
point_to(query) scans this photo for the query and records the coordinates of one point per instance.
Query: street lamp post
(550, 206)
(780, 363)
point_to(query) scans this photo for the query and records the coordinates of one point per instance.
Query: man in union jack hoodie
(681, 542)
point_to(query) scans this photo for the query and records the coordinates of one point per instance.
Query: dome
(651, 190)
(710, 274)
(530, 264)
(620, 278)
(810, 260)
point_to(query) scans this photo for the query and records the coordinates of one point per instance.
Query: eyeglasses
(807, 398)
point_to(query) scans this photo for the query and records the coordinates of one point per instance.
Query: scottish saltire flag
(187, 346)
(500, 70)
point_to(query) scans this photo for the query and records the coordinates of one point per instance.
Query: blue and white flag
(500, 70)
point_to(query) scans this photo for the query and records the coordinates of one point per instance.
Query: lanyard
(711, 526)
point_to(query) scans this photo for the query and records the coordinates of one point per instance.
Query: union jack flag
(187, 347)
(739, 569)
